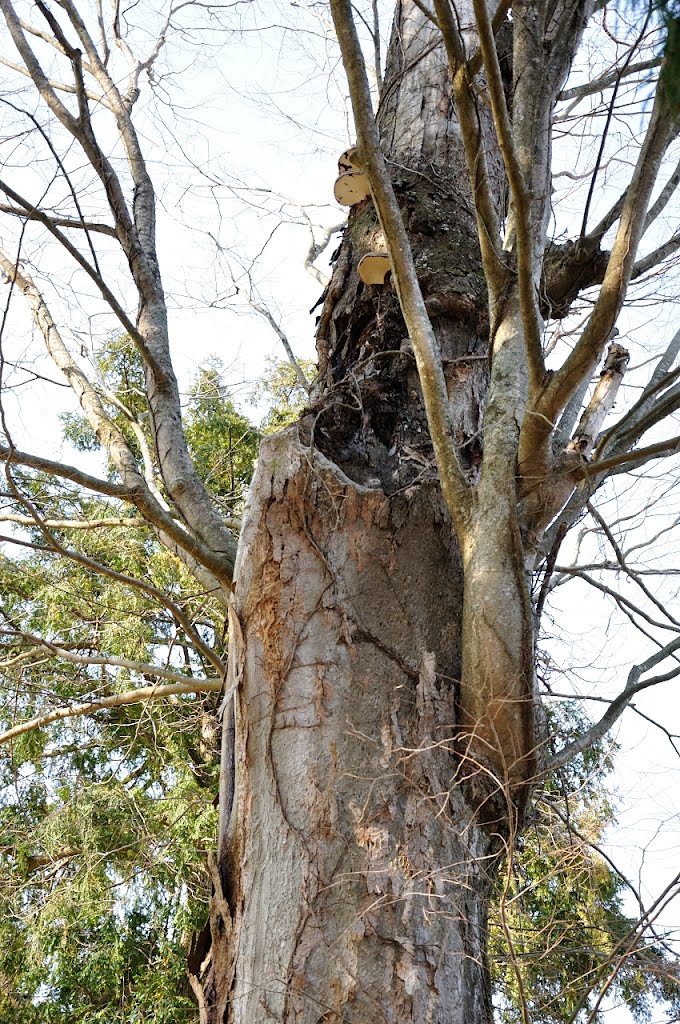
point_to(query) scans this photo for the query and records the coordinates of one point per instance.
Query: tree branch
(522, 219)
(602, 399)
(58, 222)
(115, 701)
(657, 256)
(77, 524)
(607, 79)
(646, 412)
(220, 564)
(664, 197)
(91, 271)
(581, 362)
(136, 232)
(488, 227)
(635, 456)
(143, 668)
(633, 685)
(265, 313)
(65, 472)
(316, 248)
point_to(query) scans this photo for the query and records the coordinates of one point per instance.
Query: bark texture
(359, 874)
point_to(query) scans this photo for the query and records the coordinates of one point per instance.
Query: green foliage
(121, 380)
(97, 929)
(559, 923)
(106, 820)
(280, 388)
(223, 442)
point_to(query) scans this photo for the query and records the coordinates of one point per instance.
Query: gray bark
(356, 870)
(379, 739)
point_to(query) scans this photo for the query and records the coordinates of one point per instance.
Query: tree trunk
(357, 862)
(357, 869)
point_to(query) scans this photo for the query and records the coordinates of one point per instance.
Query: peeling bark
(358, 868)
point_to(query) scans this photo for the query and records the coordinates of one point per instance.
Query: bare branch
(522, 220)
(657, 256)
(136, 231)
(664, 197)
(65, 472)
(605, 130)
(607, 79)
(258, 307)
(265, 313)
(106, 292)
(602, 400)
(115, 701)
(58, 222)
(583, 358)
(133, 483)
(488, 227)
(317, 247)
(636, 456)
(630, 572)
(645, 414)
(143, 668)
(596, 234)
(633, 685)
(55, 85)
(77, 524)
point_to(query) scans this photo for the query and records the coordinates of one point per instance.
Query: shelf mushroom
(374, 267)
(351, 188)
(349, 161)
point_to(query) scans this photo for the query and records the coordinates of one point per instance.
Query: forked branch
(582, 360)
(134, 485)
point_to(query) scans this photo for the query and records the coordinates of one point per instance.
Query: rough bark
(356, 867)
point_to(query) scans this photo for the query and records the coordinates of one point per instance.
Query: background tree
(108, 818)
(383, 742)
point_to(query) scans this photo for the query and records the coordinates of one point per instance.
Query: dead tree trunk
(372, 777)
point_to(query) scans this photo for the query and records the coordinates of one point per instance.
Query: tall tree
(383, 636)
(383, 739)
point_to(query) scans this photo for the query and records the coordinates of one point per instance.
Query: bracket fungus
(351, 188)
(349, 161)
(374, 267)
